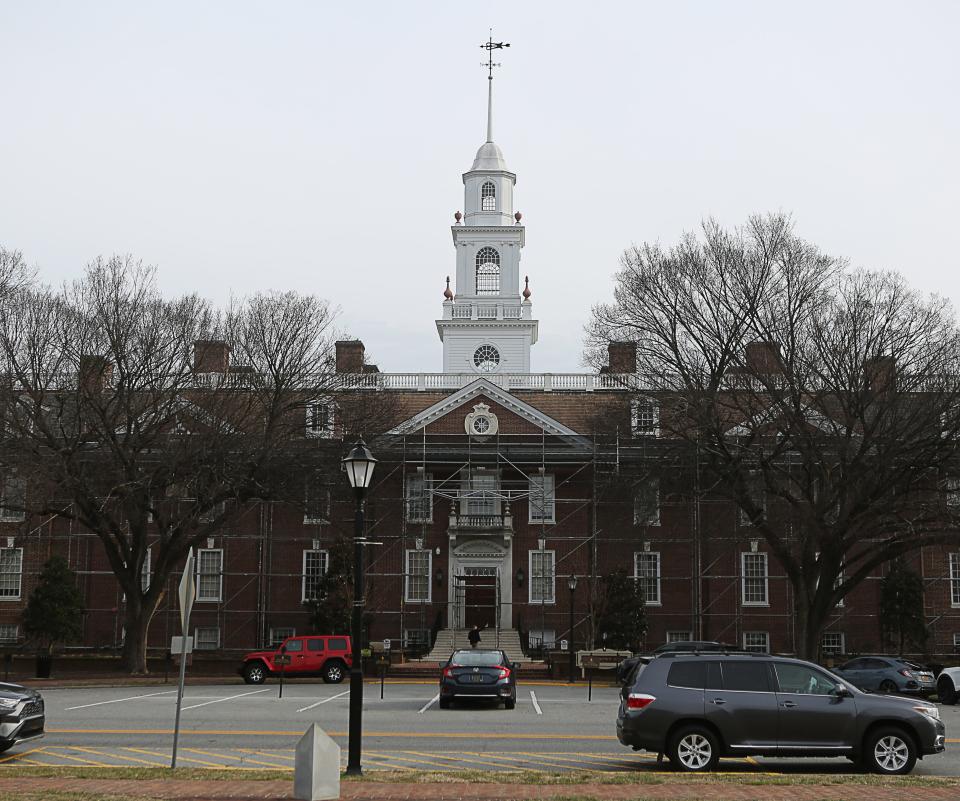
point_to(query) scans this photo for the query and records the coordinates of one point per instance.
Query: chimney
(881, 374)
(96, 374)
(622, 357)
(211, 356)
(349, 356)
(763, 358)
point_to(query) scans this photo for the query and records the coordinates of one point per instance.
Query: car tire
(334, 672)
(889, 751)
(445, 703)
(694, 749)
(255, 673)
(5, 747)
(887, 687)
(946, 692)
(510, 703)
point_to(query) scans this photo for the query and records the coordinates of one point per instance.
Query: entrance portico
(479, 590)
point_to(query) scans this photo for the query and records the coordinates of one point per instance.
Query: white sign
(176, 645)
(386, 645)
(187, 593)
(563, 645)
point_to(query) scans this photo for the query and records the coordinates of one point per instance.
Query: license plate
(478, 679)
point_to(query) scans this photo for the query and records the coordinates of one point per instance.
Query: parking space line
(578, 759)
(325, 700)
(402, 755)
(533, 699)
(228, 698)
(386, 761)
(429, 704)
(113, 755)
(87, 762)
(460, 759)
(265, 753)
(118, 700)
(165, 756)
(225, 755)
(38, 749)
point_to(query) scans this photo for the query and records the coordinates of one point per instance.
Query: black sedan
(21, 715)
(476, 673)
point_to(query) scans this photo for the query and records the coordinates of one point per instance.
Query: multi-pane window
(646, 570)
(320, 419)
(646, 502)
(952, 491)
(11, 571)
(315, 564)
(542, 577)
(316, 499)
(488, 197)
(758, 498)
(418, 576)
(645, 418)
(206, 638)
(279, 633)
(832, 643)
(956, 642)
(8, 632)
(753, 579)
(13, 496)
(419, 508)
(488, 271)
(678, 636)
(210, 574)
(542, 499)
(758, 641)
(955, 579)
(482, 497)
(145, 572)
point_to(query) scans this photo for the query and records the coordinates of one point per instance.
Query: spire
(490, 46)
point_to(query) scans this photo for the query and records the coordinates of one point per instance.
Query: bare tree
(152, 422)
(822, 401)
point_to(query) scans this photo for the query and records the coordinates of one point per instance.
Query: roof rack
(724, 652)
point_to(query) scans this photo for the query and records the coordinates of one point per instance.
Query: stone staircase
(448, 640)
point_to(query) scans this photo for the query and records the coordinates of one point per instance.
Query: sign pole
(187, 594)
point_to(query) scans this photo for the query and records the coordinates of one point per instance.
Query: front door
(812, 716)
(480, 602)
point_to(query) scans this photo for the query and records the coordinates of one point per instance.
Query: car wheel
(255, 673)
(889, 751)
(510, 703)
(946, 692)
(333, 672)
(694, 749)
(444, 703)
(887, 686)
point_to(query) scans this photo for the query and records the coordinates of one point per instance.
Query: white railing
(544, 382)
(486, 310)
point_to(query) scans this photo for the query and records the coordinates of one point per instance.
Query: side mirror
(842, 691)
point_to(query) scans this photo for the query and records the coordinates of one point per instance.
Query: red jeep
(329, 656)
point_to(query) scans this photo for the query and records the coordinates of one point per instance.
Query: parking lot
(553, 728)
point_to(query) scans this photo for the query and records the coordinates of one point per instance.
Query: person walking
(474, 636)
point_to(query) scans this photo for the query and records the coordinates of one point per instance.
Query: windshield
(476, 658)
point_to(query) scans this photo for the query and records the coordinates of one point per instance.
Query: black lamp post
(572, 584)
(358, 464)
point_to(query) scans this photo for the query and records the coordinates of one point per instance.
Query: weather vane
(490, 46)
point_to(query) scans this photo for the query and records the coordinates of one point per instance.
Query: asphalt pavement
(554, 727)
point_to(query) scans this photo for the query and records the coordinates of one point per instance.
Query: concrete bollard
(316, 767)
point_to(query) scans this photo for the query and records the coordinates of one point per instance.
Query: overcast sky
(319, 146)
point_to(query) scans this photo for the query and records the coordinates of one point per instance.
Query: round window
(486, 358)
(481, 425)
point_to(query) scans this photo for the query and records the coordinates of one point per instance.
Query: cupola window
(488, 197)
(488, 272)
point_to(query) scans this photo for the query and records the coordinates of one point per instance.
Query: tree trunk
(139, 614)
(809, 626)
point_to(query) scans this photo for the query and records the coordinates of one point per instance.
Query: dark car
(477, 673)
(627, 667)
(21, 715)
(327, 656)
(696, 708)
(888, 674)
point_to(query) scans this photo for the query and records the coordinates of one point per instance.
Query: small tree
(622, 617)
(54, 612)
(902, 623)
(331, 606)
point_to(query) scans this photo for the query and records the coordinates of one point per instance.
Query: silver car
(888, 674)
(21, 715)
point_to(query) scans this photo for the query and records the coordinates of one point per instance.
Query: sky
(318, 146)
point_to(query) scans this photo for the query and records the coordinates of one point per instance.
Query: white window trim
(196, 638)
(427, 488)
(548, 494)
(956, 641)
(482, 197)
(327, 496)
(408, 575)
(219, 598)
(274, 640)
(145, 575)
(651, 484)
(685, 636)
(13, 515)
(312, 426)
(637, 558)
(766, 635)
(552, 577)
(635, 406)
(16, 632)
(755, 482)
(843, 643)
(955, 580)
(18, 574)
(743, 579)
(303, 570)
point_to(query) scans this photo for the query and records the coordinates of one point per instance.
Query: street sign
(563, 645)
(187, 592)
(386, 645)
(177, 646)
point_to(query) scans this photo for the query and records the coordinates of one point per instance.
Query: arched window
(488, 272)
(488, 197)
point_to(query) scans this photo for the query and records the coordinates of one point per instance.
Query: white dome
(489, 157)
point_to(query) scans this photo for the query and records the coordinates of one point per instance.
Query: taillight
(504, 673)
(448, 673)
(639, 700)
(908, 673)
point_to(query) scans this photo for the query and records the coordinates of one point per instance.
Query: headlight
(7, 704)
(929, 711)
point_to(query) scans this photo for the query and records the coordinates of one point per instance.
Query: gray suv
(696, 708)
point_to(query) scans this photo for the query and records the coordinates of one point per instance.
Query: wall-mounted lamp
(520, 576)
(439, 575)
(754, 546)
(438, 550)
(419, 543)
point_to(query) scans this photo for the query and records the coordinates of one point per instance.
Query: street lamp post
(572, 584)
(358, 464)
